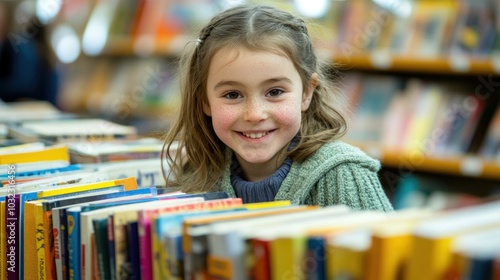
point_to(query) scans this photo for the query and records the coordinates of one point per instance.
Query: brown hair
(262, 28)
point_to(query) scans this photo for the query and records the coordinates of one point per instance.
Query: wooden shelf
(452, 65)
(409, 162)
(449, 65)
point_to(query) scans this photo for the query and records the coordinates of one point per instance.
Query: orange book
(261, 256)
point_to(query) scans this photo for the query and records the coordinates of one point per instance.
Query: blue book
(68, 168)
(73, 222)
(316, 255)
(133, 250)
(101, 240)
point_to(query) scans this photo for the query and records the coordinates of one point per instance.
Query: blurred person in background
(26, 68)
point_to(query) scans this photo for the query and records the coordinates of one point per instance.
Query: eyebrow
(268, 81)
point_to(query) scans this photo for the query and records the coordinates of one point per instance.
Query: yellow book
(267, 204)
(427, 105)
(3, 240)
(57, 152)
(347, 254)
(42, 267)
(390, 244)
(30, 230)
(431, 249)
(129, 183)
(287, 253)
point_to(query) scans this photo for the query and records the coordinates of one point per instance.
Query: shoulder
(338, 153)
(332, 160)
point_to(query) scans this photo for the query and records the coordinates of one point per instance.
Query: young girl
(258, 118)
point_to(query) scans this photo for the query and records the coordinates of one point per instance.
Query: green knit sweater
(336, 174)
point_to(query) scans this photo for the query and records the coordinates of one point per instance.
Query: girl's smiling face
(255, 100)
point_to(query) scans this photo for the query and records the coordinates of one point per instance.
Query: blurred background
(420, 79)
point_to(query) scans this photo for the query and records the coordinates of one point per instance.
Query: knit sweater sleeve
(353, 185)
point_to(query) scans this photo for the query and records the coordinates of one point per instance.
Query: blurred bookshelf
(409, 69)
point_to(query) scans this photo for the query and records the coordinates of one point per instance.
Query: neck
(259, 171)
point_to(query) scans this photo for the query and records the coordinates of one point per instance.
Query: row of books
(424, 28)
(112, 229)
(120, 88)
(415, 115)
(416, 28)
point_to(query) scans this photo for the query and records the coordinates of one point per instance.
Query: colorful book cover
(74, 263)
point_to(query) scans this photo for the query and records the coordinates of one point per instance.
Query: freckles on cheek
(288, 116)
(222, 119)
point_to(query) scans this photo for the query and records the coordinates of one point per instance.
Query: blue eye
(275, 92)
(232, 95)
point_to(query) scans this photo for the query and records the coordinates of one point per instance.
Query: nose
(255, 110)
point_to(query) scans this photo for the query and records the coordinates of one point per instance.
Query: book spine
(13, 204)
(261, 252)
(41, 267)
(64, 244)
(101, 239)
(111, 248)
(74, 244)
(94, 258)
(133, 249)
(144, 230)
(56, 229)
(316, 256)
(49, 244)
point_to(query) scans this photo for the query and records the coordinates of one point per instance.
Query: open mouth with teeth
(254, 135)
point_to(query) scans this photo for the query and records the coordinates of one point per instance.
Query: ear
(206, 109)
(308, 93)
